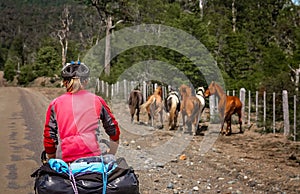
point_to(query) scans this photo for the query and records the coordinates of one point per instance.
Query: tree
(64, 33)
(107, 11)
(47, 62)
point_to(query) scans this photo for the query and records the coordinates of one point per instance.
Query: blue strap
(104, 176)
(73, 181)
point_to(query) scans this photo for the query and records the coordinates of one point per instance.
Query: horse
(200, 95)
(228, 105)
(172, 107)
(154, 105)
(190, 107)
(135, 101)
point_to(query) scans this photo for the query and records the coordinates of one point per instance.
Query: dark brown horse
(154, 105)
(135, 101)
(228, 105)
(172, 107)
(190, 108)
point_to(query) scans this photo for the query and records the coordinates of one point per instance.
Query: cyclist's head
(75, 74)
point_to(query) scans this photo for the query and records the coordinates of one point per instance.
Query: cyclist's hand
(113, 147)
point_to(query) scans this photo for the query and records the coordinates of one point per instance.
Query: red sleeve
(50, 130)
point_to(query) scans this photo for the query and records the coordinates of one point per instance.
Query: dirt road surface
(242, 163)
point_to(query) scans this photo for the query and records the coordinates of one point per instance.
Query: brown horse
(172, 107)
(154, 105)
(228, 105)
(135, 101)
(190, 107)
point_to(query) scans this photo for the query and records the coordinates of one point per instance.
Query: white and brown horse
(172, 107)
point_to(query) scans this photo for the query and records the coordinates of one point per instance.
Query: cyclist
(72, 124)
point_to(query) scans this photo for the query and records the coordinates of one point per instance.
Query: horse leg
(196, 123)
(170, 119)
(222, 126)
(138, 115)
(175, 119)
(132, 115)
(222, 118)
(161, 119)
(183, 119)
(149, 118)
(228, 127)
(240, 121)
(170, 122)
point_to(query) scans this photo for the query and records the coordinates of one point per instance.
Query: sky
(297, 2)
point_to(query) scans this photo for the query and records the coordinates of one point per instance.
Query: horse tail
(172, 106)
(196, 110)
(130, 100)
(148, 103)
(141, 99)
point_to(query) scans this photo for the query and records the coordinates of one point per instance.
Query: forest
(256, 44)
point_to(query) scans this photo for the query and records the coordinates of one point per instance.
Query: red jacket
(73, 122)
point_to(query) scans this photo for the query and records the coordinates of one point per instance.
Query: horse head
(185, 90)
(210, 90)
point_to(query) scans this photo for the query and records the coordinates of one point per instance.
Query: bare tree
(233, 16)
(295, 78)
(201, 7)
(63, 34)
(107, 19)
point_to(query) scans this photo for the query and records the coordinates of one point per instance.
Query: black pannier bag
(122, 180)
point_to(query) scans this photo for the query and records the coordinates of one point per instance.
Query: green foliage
(265, 43)
(9, 70)
(47, 62)
(27, 75)
(3, 56)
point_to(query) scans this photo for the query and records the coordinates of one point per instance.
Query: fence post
(98, 85)
(256, 106)
(274, 111)
(249, 109)
(295, 118)
(212, 105)
(117, 87)
(285, 106)
(145, 90)
(112, 90)
(107, 91)
(102, 87)
(125, 90)
(243, 99)
(265, 109)
(131, 85)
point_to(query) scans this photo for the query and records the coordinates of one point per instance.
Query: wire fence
(273, 112)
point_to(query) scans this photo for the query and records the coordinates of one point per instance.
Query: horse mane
(218, 88)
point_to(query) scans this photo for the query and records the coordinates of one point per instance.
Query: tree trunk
(63, 34)
(295, 78)
(107, 45)
(233, 16)
(201, 5)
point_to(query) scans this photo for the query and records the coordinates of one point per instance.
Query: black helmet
(75, 69)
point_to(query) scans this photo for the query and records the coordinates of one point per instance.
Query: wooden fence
(260, 108)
